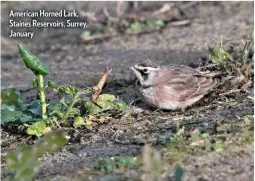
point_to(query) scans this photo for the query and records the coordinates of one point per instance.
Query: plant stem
(70, 106)
(42, 96)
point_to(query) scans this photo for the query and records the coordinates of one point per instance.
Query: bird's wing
(205, 84)
(182, 84)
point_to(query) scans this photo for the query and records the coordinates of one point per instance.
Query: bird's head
(146, 72)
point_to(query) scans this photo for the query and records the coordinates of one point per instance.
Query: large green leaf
(35, 107)
(33, 62)
(8, 113)
(11, 97)
(26, 118)
(13, 110)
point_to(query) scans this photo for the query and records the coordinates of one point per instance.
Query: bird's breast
(149, 95)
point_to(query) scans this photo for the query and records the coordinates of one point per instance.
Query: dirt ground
(79, 63)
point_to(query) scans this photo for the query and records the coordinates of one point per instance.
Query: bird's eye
(145, 71)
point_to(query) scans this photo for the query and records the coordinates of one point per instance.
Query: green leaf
(86, 33)
(12, 160)
(24, 162)
(91, 108)
(106, 98)
(52, 85)
(217, 147)
(26, 118)
(57, 108)
(135, 27)
(11, 97)
(218, 55)
(32, 62)
(121, 104)
(35, 83)
(74, 112)
(8, 113)
(97, 31)
(68, 89)
(78, 122)
(35, 107)
(106, 101)
(37, 128)
(110, 164)
(52, 142)
(89, 90)
(155, 24)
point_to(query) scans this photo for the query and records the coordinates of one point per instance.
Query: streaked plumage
(171, 87)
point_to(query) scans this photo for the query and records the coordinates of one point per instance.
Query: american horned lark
(171, 87)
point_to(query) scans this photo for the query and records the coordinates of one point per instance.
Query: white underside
(148, 97)
(169, 106)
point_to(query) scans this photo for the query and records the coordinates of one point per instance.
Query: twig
(230, 92)
(58, 125)
(107, 14)
(166, 7)
(100, 85)
(180, 23)
(90, 15)
(249, 97)
(96, 37)
(25, 141)
(120, 8)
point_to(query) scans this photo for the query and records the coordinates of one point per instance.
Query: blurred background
(120, 34)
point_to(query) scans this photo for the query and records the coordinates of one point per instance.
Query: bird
(171, 87)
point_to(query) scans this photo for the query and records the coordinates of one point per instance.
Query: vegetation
(24, 162)
(238, 64)
(112, 164)
(78, 106)
(150, 24)
(39, 116)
